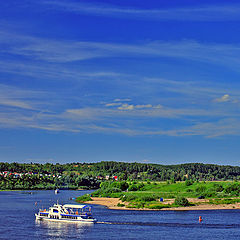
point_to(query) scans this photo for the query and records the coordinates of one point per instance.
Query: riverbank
(200, 204)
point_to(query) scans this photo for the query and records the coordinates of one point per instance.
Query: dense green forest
(90, 175)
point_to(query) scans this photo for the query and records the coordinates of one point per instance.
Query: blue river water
(17, 221)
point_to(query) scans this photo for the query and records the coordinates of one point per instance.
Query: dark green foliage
(77, 175)
(209, 193)
(200, 189)
(218, 188)
(128, 198)
(120, 205)
(136, 205)
(105, 185)
(43, 176)
(110, 189)
(233, 189)
(181, 201)
(84, 198)
(142, 198)
(136, 187)
(113, 190)
(173, 180)
(97, 193)
(158, 206)
(148, 198)
(188, 182)
(123, 185)
(133, 187)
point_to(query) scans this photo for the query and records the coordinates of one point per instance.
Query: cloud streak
(126, 106)
(17, 98)
(224, 98)
(31, 109)
(63, 51)
(197, 13)
(125, 122)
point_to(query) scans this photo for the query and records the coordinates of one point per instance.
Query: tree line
(89, 175)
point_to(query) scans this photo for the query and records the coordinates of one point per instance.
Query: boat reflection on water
(61, 229)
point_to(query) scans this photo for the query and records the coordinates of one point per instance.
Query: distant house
(107, 177)
(115, 178)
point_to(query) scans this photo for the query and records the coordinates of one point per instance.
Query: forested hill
(181, 172)
(124, 171)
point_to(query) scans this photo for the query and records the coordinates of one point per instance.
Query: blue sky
(145, 81)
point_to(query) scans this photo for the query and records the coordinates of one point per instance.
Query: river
(17, 221)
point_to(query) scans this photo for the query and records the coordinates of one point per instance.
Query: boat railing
(78, 212)
(42, 210)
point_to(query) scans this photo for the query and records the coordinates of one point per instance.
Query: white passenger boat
(56, 191)
(67, 213)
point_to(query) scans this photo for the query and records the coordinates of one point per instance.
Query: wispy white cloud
(11, 96)
(132, 86)
(144, 106)
(54, 127)
(112, 121)
(200, 92)
(122, 100)
(15, 103)
(30, 109)
(82, 114)
(224, 98)
(126, 106)
(63, 51)
(196, 13)
(119, 103)
(57, 72)
(226, 126)
(113, 104)
(49, 50)
(139, 108)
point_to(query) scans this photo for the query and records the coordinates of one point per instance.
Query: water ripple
(183, 225)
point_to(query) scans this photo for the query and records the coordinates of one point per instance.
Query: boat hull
(41, 218)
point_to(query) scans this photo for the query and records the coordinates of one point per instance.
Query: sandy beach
(202, 204)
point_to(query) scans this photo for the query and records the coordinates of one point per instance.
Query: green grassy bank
(152, 195)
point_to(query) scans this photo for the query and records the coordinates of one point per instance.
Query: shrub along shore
(166, 195)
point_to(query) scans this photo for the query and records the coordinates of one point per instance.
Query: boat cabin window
(55, 210)
(43, 214)
(69, 217)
